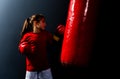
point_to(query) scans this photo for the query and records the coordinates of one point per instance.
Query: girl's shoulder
(28, 34)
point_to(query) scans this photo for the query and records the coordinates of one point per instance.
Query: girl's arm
(24, 47)
(58, 35)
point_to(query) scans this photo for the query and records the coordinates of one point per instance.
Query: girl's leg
(31, 75)
(46, 74)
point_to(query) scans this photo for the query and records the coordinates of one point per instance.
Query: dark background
(12, 15)
(14, 12)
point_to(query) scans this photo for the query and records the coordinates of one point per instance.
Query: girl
(33, 45)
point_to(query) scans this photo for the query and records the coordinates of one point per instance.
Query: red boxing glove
(24, 48)
(60, 29)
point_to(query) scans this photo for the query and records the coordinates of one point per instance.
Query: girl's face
(41, 24)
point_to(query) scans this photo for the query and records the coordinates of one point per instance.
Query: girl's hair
(28, 24)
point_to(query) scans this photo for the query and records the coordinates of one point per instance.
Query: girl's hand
(24, 48)
(60, 29)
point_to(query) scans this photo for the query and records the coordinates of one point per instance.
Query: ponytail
(27, 27)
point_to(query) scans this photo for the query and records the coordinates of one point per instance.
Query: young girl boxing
(33, 44)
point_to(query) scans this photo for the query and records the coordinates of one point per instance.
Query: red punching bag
(78, 36)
